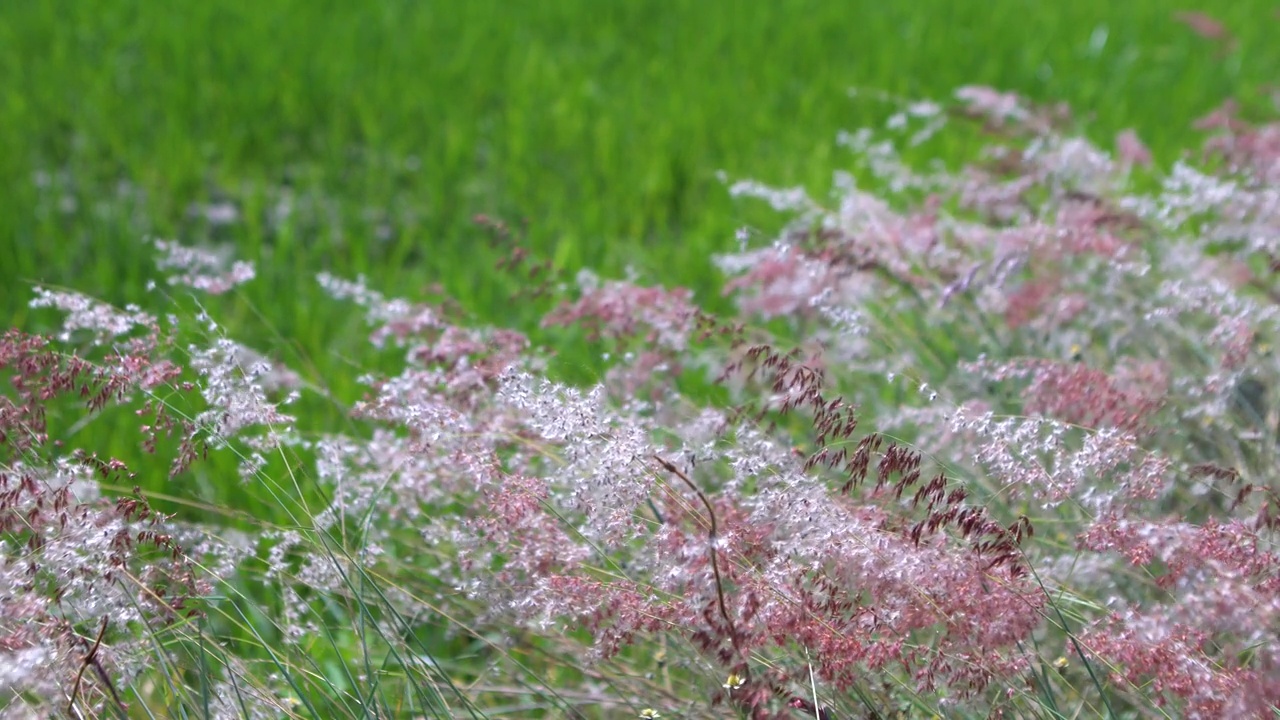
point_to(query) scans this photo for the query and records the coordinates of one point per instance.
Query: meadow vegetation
(457, 382)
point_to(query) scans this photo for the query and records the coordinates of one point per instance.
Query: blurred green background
(363, 137)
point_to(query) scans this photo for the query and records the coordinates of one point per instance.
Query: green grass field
(388, 126)
(602, 123)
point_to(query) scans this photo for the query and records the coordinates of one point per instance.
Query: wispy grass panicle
(1086, 346)
(88, 580)
(984, 441)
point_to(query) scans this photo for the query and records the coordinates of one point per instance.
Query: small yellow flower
(734, 682)
(649, 714)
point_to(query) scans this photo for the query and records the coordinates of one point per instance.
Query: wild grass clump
(996, 440)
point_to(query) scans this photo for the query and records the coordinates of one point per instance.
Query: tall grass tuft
(986, 441)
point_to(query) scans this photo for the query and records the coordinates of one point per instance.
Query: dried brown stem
(715, 566)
